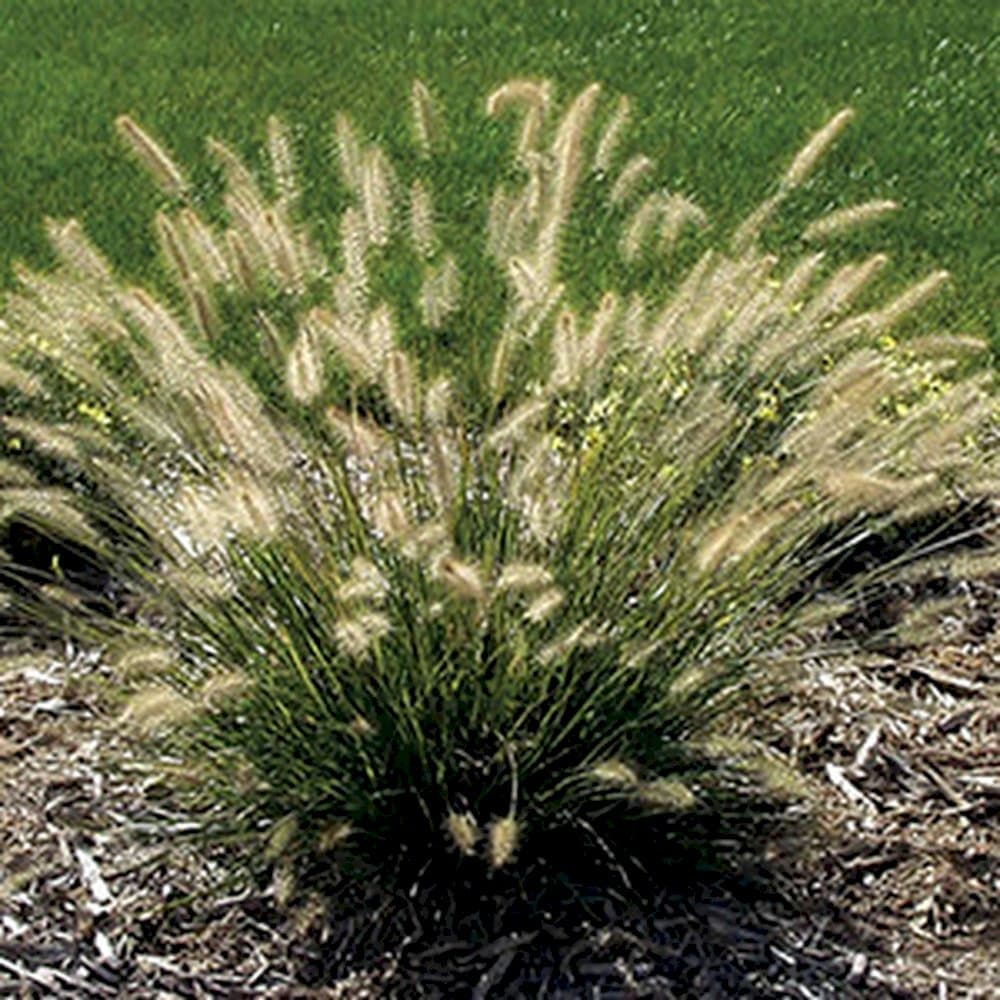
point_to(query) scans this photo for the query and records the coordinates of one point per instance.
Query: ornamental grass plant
(388, 609)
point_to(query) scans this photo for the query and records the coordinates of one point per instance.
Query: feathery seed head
(544, 605)
(223, 688)
(14, 377)
(77, 252)
(281, 836)
(439, 293)
(437, 401)
(346, 340)
(144, 661)
(425, 118)
(279, 148)
(464, 832)
(333, 836)
(516, 427)
(504, 837)
(813, 151)
(152, 156)
(381, 334)
(667, 795)
(365, 582)
(389, 515)
(357, 635)
(376, 196)
(304, 370)
(360, 726)
(464, 579)
(615, 772)
(157, 708)
(522, 576)
(632, 174)
(779, 778)
(400, 386)
(422, 220)
(848, 218)
(518, 91)
(349, 150)
(611, 136)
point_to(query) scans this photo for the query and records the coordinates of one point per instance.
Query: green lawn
(725, 90)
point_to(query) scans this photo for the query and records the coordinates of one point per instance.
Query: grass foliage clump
(388, 609)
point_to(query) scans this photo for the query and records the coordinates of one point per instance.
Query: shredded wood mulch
(895, 893)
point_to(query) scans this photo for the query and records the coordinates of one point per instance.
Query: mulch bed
(895, 893)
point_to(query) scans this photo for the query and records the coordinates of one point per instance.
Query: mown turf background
(725, 90)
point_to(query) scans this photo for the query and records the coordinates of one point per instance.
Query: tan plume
(153, 156)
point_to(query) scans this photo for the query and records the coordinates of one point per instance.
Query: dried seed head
(224, 687)
(360, 726)
(15, 474)
(779, 778)
(911, 299)
(848, 218)
(281, 836)
(462, 578)
(439, 293)
(346, 340)
(504, 837)
(544, 605)
(174, 250)
(14, 377)
(349, 151)
(668, 795)
(153, 157)
(676, 214)
(518, 91)
(689, 681)
(640, 224)
(615, 772)
(522, 576)
(581, 636)
(611, 136)
(364, 583)
(401, 386)
(815, 148)
(243, 265)
(464, 831)
(279, 147)
(565, 352)
(238, 177)
(333, 836)
(376, 196)
(430, 542)
(515, 428)
(284, 884)
(157, 708)
(441, 468)
(304, 368)
(210, 260)
(437, 401)
(144, 661)
(357, 635)
(422, 220)
(727, 747)
(362, 438)
(632, 174)
(77, 252)
(425, 117)
(535, 97)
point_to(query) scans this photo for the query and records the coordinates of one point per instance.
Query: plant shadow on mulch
(704, 913)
